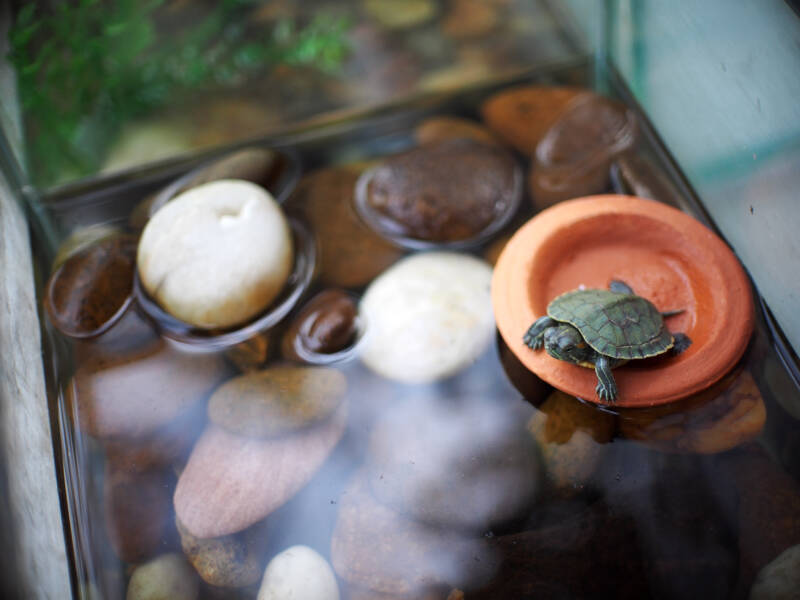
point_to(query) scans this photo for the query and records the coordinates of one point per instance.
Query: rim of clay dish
(664, 254)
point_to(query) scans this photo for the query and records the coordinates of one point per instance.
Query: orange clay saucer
(665, 255)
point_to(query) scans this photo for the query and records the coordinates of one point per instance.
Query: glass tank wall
(362, 430)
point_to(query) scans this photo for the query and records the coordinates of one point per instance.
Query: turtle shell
(619, 325)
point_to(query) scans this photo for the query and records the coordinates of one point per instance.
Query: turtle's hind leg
(606, 386)
(534, 337)
(682, 342)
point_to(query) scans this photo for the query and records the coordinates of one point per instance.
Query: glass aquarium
(293, 319)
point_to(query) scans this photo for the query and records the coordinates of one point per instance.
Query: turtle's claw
(535, 342)
(606, 393)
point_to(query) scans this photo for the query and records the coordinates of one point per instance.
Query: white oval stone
(427, 317)
(299, 573)
(167, 577)
(217, 254)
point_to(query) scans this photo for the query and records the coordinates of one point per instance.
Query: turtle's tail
(672, 313)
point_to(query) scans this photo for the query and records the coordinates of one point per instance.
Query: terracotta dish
(664, 255)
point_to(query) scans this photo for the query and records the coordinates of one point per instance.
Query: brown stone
(92, 288)
(325, 325)
(574, 157)
(276, 401)
(231, 482)
(230, 561)
(437, 129)
(521, 116)
(469, 18)
(351, 254)
(448, 191)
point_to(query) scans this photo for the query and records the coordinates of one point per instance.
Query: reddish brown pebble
(574, 157)
(444, 192)
(437, 129)
(521, 116)
(92, 288)
(327, 324)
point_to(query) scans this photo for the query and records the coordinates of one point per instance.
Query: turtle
(603, 329)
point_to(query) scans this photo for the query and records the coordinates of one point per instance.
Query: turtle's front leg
(606, 386)
(534, 337)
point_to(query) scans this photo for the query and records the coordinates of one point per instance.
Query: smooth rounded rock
(455, 190)
(465, 463)
(522, 115)
(91, 289)
(231, 481)
(437, 129)
(216, 255)
(428, 317)
(230, 561)
(300, 573)
(574, 157)
(780, 579)
(166, 577)
(324, 326)
(277, 400)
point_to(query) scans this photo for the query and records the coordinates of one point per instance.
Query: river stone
(299, 572)
(428, 317)
(231, 481)
(277, 400)
(230, 561)
(132, 393)
(326, 324)
(437, 129)
(166, 577)
(377, 548)
(522, 115)
(780, 579)
(351, 254)
(467, 463)
(574, 157)
(216, 255)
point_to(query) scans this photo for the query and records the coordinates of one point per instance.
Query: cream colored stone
(301, 573)
(167, 577)
(427, 317)
(216, 255)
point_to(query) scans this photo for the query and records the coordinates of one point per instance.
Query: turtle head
(564, 342)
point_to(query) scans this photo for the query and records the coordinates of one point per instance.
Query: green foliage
(86, 67)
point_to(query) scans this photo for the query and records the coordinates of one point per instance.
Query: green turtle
(603, 329)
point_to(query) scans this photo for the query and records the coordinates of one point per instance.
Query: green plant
(86, 67)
